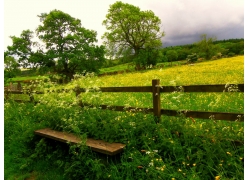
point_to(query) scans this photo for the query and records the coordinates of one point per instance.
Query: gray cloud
(183, 21)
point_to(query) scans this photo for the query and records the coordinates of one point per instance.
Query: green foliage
(69, 47)
(23, 47)
(131, 30)
(177, 147)
(231, 54)
(206, 46)
(182, 53)
(147, 57)
(11, 68)
(171, 55)
(192, 58)
(152, 150)
(236, 47)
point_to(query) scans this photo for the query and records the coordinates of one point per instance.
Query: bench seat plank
(96, 145)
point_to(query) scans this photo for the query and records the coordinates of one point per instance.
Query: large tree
(65, 45)
(69, 44)
(130, 29)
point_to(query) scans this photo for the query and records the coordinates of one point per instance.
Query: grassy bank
(176, 148)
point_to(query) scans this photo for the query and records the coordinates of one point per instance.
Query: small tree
(11, 67)
(206, 46)
(192, 58)
(171, 56)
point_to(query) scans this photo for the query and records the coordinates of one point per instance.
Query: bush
(192, 58)
(231, 54)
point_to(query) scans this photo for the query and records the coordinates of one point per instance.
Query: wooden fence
(156, 89)
(17, 85)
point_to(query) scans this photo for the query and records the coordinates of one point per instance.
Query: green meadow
(176, 148)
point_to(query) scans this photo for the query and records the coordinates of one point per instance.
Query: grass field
(196, 150)
(28, 78)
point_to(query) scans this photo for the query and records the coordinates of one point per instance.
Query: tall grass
(176, 148)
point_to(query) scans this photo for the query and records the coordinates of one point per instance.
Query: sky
(183, 21)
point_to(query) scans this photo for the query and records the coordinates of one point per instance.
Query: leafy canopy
(171, 55)
(130, 29)
(29, 53)
(206, 47)
(70, 44)
(11, 67)
(67, 47)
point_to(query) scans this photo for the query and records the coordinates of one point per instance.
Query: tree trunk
(137, 64)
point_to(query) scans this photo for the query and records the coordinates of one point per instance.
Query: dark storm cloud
(183, 21)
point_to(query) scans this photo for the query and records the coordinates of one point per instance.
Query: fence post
(31, 97)
(19, 87)
(6, 92)
(11, 86)
(78, 92)
(156, 99)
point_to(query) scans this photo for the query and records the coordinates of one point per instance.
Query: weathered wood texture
(162, 89)
(120, 108)
(168, 112)
(23, 92)
(127, 89)
(119, 89)
(156, 99)
(165, 89)
(205, 115)
(96, 145)
(203, 88)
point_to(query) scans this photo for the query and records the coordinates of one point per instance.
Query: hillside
(222, 71)
(178, 147)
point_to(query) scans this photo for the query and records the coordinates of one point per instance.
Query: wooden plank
(200, 88)
(205, 115)
(127, 89)
(156, 99)
(168, 112)
(163, 89)
(22, 92)
(120, 108)
(120, 89)
(15, 92)
(96, 145)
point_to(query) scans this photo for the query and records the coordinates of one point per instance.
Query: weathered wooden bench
(96, 145)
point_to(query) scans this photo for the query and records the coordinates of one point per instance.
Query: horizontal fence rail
(204, 88)
(156, 89)
(127, 89)
(193, 114)
(205, 115)
(167, 89)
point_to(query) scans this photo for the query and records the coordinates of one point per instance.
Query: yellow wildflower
(217, 177)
